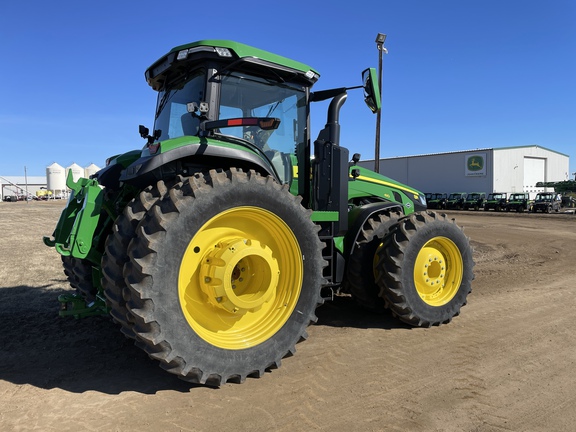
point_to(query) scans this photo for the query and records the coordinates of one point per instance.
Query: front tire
(224, 277)
(426, 269)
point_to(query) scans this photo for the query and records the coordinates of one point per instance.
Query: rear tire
(426, 269)
(224, 277)
(116, 254)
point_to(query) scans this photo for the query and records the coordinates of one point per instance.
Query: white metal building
(21, 185)
(506, 169)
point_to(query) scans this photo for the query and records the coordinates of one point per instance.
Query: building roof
(468, 151)
(21, 180)
(532, 146)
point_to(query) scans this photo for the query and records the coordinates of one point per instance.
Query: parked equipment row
(545, 202)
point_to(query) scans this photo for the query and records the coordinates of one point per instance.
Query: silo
(56, 178)
(77, 171)
(91, 169)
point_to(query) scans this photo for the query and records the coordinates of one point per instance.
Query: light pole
(380, 38)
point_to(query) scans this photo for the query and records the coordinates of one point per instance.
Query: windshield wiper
(273, 107)
(167, 96)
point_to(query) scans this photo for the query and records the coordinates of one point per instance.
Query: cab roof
(229, 52)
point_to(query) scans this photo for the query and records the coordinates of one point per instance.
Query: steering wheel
(258, 136)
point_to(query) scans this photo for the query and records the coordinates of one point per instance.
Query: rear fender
(151, 168)
(109, 176)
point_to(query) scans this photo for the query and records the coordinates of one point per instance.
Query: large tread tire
(212, 337)
(116, 254)
(360, 278)
(425, 269)
(79, 274)
(68, 265)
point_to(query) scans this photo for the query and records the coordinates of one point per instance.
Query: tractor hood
(366, 182)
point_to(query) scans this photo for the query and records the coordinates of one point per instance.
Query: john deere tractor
(213, 245)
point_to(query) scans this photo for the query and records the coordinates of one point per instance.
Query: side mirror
(143, 131)
(371, 89)
(354, 161)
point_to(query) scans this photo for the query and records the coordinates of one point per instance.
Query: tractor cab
(221, 101)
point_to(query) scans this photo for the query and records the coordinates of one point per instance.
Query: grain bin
(56, 178)
(77, 171)
(90, 170)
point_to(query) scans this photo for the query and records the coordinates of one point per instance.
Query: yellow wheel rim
(438, 271)
(240, 278)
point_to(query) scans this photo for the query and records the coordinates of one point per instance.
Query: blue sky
(460, 74)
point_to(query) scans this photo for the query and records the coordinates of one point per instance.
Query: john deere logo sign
(475, 165)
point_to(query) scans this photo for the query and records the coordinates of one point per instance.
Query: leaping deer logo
(475, 163)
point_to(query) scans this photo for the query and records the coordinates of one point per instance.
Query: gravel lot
(506, 364)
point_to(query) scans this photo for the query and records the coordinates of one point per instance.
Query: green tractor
(213, 245)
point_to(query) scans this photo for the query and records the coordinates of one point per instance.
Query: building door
(534, 172)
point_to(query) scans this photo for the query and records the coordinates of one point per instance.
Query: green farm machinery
(213, 245)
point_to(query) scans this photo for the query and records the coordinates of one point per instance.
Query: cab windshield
(241, 96)
(249, 96)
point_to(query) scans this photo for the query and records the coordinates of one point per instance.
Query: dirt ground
(507, 363)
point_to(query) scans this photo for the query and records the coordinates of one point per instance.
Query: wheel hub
(438, 271)
(239, 275)
(229, 284)
(432, 265)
